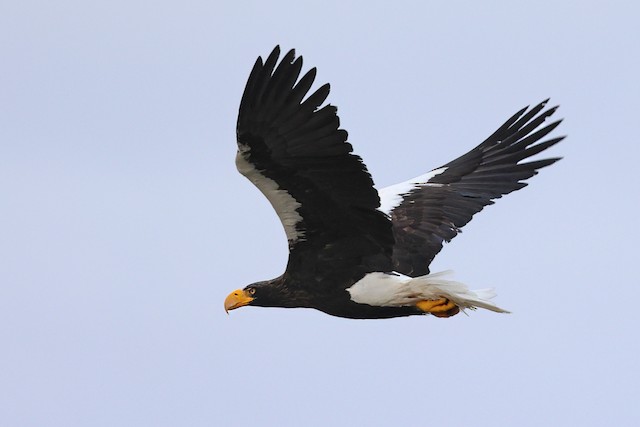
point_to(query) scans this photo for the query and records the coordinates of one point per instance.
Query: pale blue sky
(124, 224)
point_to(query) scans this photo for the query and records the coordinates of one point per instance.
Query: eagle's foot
(442, 307)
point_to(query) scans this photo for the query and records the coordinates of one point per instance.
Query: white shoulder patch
(393, 195)
(283, 203)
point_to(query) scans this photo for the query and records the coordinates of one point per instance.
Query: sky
(124, 224)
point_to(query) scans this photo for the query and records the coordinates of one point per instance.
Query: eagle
(355, 251)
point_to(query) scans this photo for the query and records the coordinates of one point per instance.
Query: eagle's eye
(252, 291)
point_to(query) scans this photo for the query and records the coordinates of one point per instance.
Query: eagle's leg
(442, 307)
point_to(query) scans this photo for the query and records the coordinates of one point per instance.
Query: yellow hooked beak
(237, 298)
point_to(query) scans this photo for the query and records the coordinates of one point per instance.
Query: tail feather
(437, 286)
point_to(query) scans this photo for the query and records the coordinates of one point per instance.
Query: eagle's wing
(430, 209)
(295, 153)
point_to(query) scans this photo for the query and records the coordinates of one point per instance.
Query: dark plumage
(426, 219)
(292, 149)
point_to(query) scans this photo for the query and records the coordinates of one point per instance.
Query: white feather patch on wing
(393, 195)
(283, 203)
(397, 290)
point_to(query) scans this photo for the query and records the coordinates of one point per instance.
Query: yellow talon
(440, 307)
(429, 305)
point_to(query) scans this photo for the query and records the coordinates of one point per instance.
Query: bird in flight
(354, 251)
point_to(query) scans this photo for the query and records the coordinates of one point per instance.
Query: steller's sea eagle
(354, 251)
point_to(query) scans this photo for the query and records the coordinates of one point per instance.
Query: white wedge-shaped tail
(398, 290)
